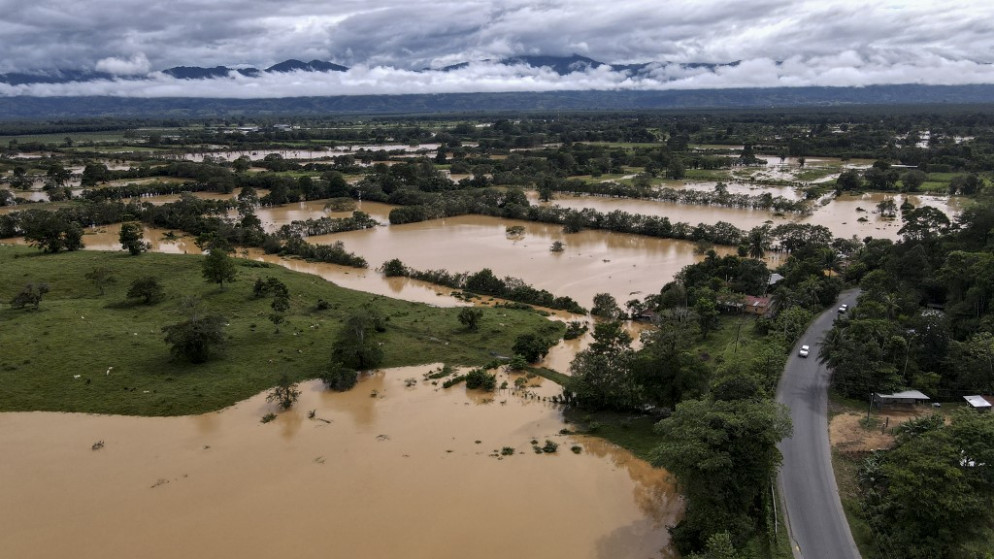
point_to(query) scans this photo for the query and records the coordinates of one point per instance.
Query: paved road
(818, 527)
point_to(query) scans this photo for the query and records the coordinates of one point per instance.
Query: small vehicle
(804, 351)
(843, 308)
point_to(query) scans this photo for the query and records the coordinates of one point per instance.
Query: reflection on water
(406, 473)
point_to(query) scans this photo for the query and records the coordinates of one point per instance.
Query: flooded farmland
(389, 469)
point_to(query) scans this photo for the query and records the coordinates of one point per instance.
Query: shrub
(480, 378)
(339, 377)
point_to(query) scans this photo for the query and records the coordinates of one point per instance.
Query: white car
(804, 351)
(843, 308)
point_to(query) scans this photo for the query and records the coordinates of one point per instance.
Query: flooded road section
(386, 470)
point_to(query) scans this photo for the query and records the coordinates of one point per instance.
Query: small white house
(978, 403)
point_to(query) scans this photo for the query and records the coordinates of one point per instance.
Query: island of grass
(81, 351)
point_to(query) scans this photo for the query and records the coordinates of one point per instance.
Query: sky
(387, 44)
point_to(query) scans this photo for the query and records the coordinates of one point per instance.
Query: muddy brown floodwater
(840, 215)
(386, 470)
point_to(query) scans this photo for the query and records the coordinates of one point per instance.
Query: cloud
(848, 68)
(137, 64)
(815, 41)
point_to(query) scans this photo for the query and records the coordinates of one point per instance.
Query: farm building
(906, 398)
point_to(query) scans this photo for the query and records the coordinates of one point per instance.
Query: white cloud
(796, 71)
(819, 42)
(137, 64)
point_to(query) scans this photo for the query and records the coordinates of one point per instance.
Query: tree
(100, 277)
(573, 222)
(285, 393)
(94, 173)
(887, 208)
(355, 347)
(708, 318)
(913, 180)
(758, 241)
(131, 238)
(930, 496)
(51, 231)
(58, 175)
(470, 318)
(148, 289)
(605, 306)
(338, 377)
(849, 180)
(530, 346)
(218, 267)
(725, 458)
(196, 339)
(924, 224)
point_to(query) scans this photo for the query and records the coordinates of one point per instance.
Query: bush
(340, 378)
(531, 347)
(480, 378)
(195, 339)
(148, 289)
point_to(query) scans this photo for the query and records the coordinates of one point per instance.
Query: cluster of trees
(924, 318)
(718, 197)
(930, 496)
(485, 282)
(882, 176)
(325, 225)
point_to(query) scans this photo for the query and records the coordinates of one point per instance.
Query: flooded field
(592, 262)
(386, 470)
(842, 215)
(305, 154)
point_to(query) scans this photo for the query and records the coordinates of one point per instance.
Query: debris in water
(97, 445)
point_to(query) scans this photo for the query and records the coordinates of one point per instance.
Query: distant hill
(562, 65)
(565, 65)
(312, 66)
(847, 98)
(56, 76)
(178, 72)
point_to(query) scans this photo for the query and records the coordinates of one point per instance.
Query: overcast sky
(825, 42)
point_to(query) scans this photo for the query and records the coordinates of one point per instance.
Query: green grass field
(77, 332)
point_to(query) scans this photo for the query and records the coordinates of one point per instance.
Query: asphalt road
(817, 525)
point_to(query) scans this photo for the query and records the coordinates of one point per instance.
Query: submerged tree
(285, 393)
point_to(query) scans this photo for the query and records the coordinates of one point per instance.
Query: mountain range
(562, 65)
(959, 97)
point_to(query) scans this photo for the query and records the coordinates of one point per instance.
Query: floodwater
(840, 215)
(592, 262)
(305, 154)
(386, 470)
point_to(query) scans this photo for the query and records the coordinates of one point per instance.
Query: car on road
(843, 308)
(804, 351)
